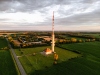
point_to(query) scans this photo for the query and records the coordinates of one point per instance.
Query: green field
(6, 63)
(95, 35)
(3, 43)
(89, 63)
(40, 62)
(69, 63)
(7, 66)
(87, 48)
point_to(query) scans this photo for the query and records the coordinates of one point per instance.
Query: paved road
(21, 69)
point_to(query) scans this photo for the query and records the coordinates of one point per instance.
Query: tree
(93, 39)
(55, 62)
(80, 40)
(55, 56)
(73, 40)
(10, 38)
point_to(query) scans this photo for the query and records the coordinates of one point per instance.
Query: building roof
(47, 50)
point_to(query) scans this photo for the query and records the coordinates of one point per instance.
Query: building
(46, 51)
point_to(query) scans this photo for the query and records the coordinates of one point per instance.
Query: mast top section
(53, 23)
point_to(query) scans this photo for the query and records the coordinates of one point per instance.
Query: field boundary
(20, 67)
(16, 66)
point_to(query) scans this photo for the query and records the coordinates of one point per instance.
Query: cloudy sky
(70, 15)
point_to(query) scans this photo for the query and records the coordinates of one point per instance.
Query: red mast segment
(53, 24)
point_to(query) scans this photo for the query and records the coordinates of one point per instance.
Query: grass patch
(40, 62)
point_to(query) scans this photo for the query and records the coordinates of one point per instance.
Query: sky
(69, 15)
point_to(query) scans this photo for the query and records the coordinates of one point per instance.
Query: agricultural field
(69, 62)
(89, 63)
(3, 43)
(39, 62)
(7, 66)
(95, 35)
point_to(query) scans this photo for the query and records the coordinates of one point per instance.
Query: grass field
(7, 66)
(40, 62)
(6, 63)
(89, 63)
(95, 35)
(3, 43)
(92, 48)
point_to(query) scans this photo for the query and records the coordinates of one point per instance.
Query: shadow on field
(77, 66)
(56, 69)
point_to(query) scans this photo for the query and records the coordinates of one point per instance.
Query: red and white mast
(53, 36)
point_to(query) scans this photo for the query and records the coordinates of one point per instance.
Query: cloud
(34, 13)
(80, 19)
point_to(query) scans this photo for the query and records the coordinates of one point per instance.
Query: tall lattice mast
(53, 36)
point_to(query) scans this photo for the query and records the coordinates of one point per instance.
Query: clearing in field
(32, 63)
